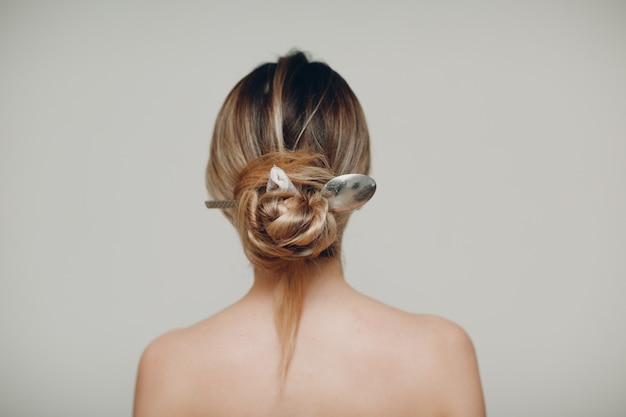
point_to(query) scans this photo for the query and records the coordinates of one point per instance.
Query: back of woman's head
(291, 105)
(302, 117)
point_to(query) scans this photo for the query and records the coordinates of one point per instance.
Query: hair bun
(278, 226)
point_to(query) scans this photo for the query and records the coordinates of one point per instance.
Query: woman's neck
(325, 275)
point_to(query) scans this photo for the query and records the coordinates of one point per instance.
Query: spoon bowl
(348, 192)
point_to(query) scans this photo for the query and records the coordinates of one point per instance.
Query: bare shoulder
(443, 335)
(165, 353)
(436, 357)
(161, 364)
(426, 330)
(174, 366)
(188, 371)
(436, 333)
(453, 367)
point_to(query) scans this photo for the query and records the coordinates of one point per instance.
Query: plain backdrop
(499, 148)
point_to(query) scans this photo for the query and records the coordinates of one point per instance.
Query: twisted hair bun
(278, 227)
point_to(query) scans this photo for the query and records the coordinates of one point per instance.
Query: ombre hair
(302, 117)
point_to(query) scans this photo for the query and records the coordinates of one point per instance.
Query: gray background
(499, 149)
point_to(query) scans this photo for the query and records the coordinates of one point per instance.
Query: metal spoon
(344, 193)
(348, 192)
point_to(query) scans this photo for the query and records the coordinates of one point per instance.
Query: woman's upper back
(354, 357)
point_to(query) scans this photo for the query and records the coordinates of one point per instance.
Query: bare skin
(354, 357)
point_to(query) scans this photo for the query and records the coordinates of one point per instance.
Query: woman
(302, 342)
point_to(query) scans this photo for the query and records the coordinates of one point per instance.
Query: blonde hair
(302, 117)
